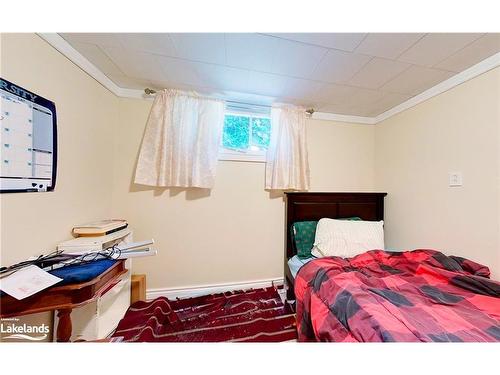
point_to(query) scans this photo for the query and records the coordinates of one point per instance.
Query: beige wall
(416, 149)
(233, 233)
(33, 223)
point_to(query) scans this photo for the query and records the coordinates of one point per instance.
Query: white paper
(27, 281)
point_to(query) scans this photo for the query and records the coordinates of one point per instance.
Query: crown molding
(60, 44)
(343, 118)
(459, 78)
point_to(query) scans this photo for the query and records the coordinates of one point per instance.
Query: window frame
(227, 154)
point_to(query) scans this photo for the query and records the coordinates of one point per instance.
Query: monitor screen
(29, 140)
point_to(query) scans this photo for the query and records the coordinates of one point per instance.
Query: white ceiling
(351, 74)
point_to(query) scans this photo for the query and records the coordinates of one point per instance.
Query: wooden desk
(63, 299)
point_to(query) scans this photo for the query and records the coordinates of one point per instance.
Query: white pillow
(347, 238)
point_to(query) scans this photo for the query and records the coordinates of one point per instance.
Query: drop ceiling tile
(97, 57)
(135, 64)
(343, 41)
(388, 45)
(296, 59)
(365, 97)
(272, 68)
(388, 101)
(158, 43)
(434, 48)
(359, 110)
(202, 47)
(415, 80)
(100, 39)
(339, 109)
(179, 71)
(302, 89)
(267, 84)
(300, 102)
(223, 77)
(480, 49)
(352, 100)
(250, 51)
(129, 83)
(339, 67)
(335, 94)
(377, 72)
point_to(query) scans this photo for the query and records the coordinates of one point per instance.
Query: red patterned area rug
(256, 315)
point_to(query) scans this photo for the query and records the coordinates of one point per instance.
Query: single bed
(318, 205)
(419, 295)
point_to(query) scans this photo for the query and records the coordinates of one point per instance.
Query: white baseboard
(200, 290)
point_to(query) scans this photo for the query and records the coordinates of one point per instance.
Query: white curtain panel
(181, 141)
(287, 166)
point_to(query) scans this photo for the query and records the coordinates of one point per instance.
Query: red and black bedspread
(420, 295)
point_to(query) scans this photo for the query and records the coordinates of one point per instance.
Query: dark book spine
(116, 229)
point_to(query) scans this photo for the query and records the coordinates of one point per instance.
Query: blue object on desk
(80, 273)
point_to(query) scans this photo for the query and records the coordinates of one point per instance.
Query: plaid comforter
(420, 295)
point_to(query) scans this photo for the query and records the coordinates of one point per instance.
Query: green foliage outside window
(236, 133)
(244, 132)
(261, 132)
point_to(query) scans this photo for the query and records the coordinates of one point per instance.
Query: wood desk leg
(64, 326)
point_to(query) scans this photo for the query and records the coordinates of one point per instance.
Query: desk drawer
(98, 319)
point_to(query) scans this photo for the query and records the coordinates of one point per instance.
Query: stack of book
(104, 239)
(99, 228)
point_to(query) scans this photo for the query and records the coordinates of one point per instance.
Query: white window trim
(226, 154)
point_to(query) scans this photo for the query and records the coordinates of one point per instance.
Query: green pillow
(303, 235)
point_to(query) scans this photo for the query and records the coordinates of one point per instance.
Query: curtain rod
(310, 111)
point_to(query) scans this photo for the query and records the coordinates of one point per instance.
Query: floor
(255, 315)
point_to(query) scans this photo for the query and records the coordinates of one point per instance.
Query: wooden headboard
(315, 206)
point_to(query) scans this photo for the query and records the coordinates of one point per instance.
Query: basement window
(245, 135)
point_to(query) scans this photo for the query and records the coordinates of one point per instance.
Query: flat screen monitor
(29, 140)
